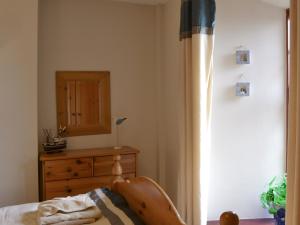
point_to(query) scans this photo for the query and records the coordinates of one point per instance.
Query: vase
(280, 217)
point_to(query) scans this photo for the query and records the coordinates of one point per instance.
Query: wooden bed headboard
(150, 202)
(146, 198)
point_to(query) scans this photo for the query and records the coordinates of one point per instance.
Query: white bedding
(27, 215)
(19, 215)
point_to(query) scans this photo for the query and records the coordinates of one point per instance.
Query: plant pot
(280, 217)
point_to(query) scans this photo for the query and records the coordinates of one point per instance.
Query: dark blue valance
(197, 16)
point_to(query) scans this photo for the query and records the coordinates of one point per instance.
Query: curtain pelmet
(197, 16)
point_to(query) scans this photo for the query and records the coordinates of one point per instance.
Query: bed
(142, 194)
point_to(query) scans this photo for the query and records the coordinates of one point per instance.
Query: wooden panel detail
(144, 196)
(75, 186)
(128, 163)
(83, 102)
(128, 176)
(103, 165)
(68, 169)
(88, 107)
(70, 89)
(85, 153)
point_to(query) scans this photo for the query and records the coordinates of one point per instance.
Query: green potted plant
(274, 199)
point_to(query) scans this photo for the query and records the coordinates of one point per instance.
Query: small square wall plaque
(242, 89)
(242, 57)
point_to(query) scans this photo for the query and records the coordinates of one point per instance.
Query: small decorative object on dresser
(119, 121)
(78, 171)
(53, 143)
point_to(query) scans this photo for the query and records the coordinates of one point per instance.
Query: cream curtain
(293, 197)
(197, 42)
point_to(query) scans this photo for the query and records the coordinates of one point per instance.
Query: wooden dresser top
(81, 153)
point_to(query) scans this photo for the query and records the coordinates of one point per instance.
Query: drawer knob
(68, 190)
(78, 161)
(75, 174)
(69, 169)
(48, 173)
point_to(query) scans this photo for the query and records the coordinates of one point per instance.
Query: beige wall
(18, 97)
(169, 86)
(103, 35)
(248, 134)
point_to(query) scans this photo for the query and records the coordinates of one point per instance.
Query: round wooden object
(229, 218)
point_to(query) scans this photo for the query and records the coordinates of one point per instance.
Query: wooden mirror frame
(70, 111)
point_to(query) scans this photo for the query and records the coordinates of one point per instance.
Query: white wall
(103, 35)
(280, 3)
(18, 98)
(248, 134)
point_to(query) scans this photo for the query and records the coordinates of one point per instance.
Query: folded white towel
(76, 222)
(71, 209)
(65, 205)
(92, 212)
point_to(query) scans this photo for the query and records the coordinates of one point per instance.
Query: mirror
(83, 102)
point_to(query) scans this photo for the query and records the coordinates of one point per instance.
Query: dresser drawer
(103, 165)
(128, 175)
(75, 186)
(128, 163)
(68, 169)
(79, 171)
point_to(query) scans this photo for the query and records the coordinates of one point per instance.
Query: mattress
(114, 208)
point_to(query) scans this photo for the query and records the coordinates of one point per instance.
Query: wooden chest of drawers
(78, 171)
